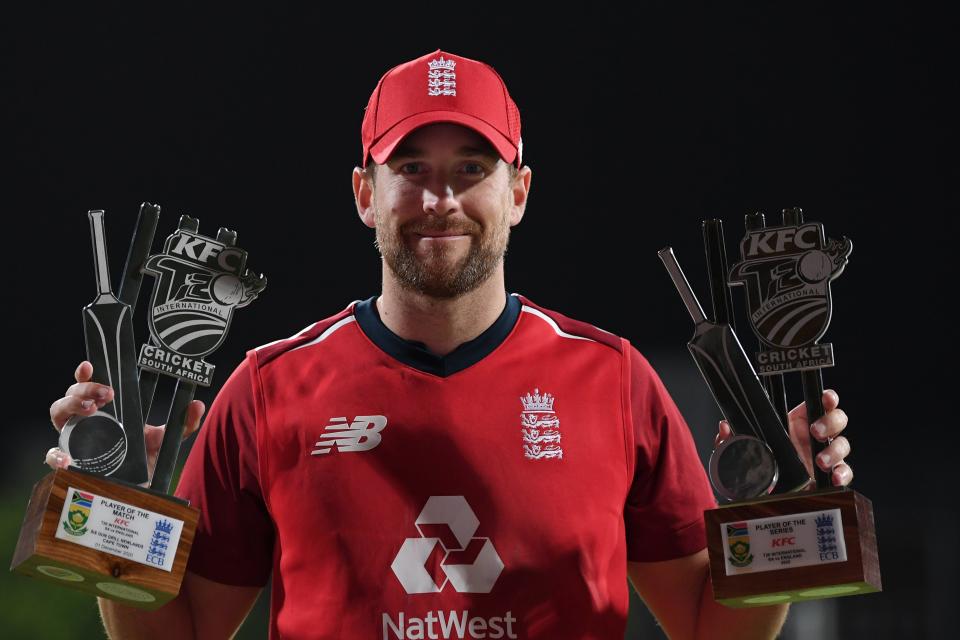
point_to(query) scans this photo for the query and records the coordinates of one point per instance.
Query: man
(444, 459)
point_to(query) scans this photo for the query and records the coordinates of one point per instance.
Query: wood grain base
(859, 574)
(39, 554)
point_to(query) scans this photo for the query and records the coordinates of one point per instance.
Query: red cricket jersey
(496, 492)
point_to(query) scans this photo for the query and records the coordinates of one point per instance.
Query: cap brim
(384, 147)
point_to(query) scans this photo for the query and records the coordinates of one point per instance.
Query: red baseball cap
(440, 87)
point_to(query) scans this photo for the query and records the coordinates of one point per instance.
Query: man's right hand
(85, 397)
(221, 608)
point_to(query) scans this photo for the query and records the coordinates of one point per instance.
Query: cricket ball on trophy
(226, 289)
(95, 443)
(814, 266)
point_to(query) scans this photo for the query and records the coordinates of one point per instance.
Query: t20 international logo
(786, 273)
(200, 282)
(447, 551)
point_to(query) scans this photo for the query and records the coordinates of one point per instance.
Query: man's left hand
(834, 421)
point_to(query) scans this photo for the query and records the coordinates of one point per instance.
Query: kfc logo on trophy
(786, 274)
(200, 281)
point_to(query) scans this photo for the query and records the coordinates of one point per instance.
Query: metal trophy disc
(774, 541)
(95, 526)
(743, 467)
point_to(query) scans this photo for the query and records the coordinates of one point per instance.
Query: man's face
(442, 210)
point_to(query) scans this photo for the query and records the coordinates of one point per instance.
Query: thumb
(195, 411)
(724, 432)
(56, 458)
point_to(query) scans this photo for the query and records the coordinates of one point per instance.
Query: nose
(439, 198)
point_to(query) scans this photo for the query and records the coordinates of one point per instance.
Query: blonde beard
(436, 277)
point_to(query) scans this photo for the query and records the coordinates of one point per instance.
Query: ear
(519, 191)
(363, 196)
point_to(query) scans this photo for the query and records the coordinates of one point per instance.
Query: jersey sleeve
(235, 535)
(663, 514)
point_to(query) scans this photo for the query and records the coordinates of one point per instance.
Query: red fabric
(670, 490)
(332, 526)
(440, 87)
(235, 538)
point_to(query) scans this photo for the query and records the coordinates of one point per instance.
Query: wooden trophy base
(793, 548)
(137, 560)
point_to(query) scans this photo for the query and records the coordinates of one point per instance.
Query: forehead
(444, 137)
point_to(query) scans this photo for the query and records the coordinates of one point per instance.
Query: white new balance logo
(362, 434)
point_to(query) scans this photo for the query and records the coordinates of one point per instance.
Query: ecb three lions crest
(199, 282)
(786, 272)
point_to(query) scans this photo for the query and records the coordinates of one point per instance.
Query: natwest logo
(446, 525)
(449, 624)
(447, 553)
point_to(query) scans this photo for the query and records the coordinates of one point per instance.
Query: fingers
(94, 390)
(723, 433)
(82, 398)
(830, 401)
(153, 436)
(84, 372)
(79, 400)
(834, 453)
(56, 459)
(842, 475)
(194, 412)
(829, 425)
(64, 408)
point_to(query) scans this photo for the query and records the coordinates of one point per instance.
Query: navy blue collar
(416, 355)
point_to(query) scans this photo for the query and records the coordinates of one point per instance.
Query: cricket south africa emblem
(78, 514)
(786, 273)
(738, 543)
(200, 281)
(540, 427)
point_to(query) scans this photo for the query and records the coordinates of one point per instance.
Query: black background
(637, 122)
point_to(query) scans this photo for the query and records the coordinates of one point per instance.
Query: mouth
(441, 234)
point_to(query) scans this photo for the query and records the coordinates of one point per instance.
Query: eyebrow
(408, 151)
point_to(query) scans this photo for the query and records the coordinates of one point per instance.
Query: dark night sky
(637, 122)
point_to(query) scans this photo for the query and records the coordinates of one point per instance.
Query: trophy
(773, 540)
(103, 526)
